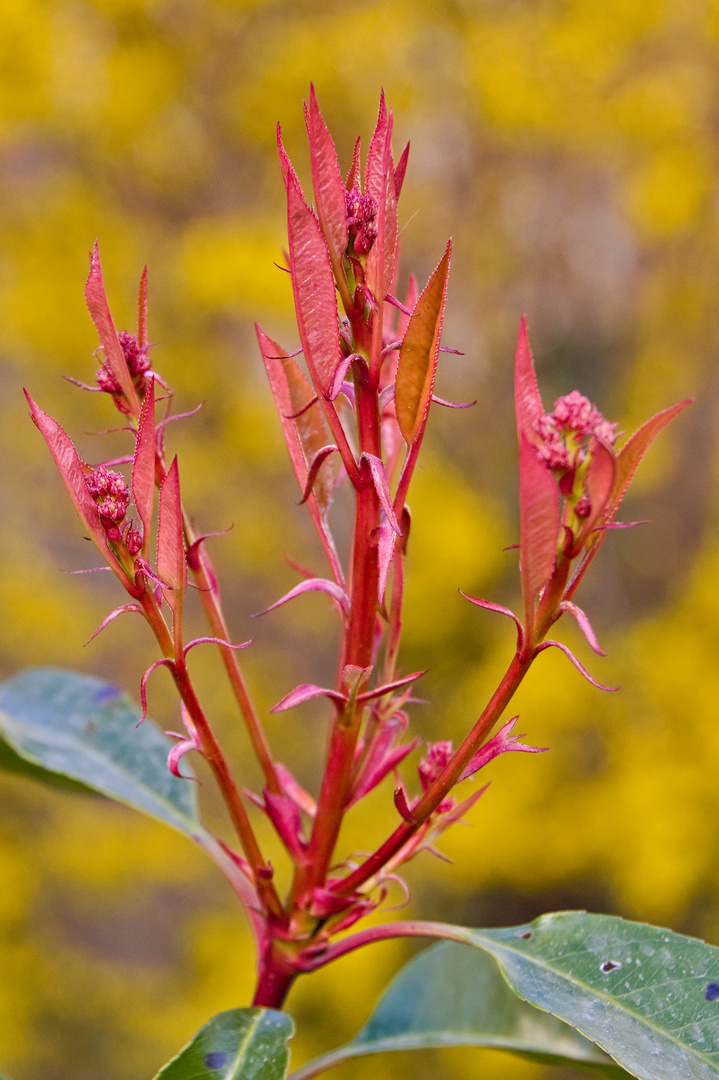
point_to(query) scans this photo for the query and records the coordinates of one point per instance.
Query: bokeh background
(570, 147)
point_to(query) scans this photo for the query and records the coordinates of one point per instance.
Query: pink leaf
(171, 562)
(354, 177)
(313, 287)
(113, 615)
(295, 791)
(375, 771)
(634, 450)
(314, 585)
(600, 480)
(399, 172)
(527, 399)
(302, 424)
(584, 624)
(327, 182)
(453, 404)
(73, 472)
(380, 186)
(500, 743)
(380, 691)
(580, 668)
(417, 366)
(381, 486)
(143, 466)
(317, 462)
(538, 525)
(306, 692)
(489, 606)
(385, 553)
(176, 755)
(165, 662)
(142, 311)
(214, 641)
(97, 305)
(400, 801)
(285, 816)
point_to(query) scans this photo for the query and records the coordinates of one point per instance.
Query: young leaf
(171, 561)
(142, 311)
(313, 286)
(647, 996)
(418, 356)
(380, 186)
(97, 305)
(240, 1044)
(143, 466)
(73, 473)
(450, 995)
(327, 183)
(538, 525)
(527, 399)
(64, 725)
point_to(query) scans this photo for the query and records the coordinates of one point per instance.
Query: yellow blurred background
(570, 148)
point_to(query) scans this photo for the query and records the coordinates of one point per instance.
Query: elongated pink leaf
(399, 172)
(294, 790)
(171, 561)
(584, 624)
(400, 801)
(385, 553)
(313, 287)
(73, 472)
(380, 691)
(317, 462)
(371, 777)
(285, 816)
(97, 305)
(527, 399)
(142, 311)
(381, 485)
(417, 365)
(489, 606)
(634, 450)
(214, 641)
(580, 667)
(538, 526)
(354, 176)
(164, 662)
(380, 186)
(306, 692)
(143, 466)
(600, 481)
(314, 585)
(327, 181)
(113, 615)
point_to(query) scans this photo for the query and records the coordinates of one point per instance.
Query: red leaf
(418, 356)
(317, 462)
(380, 691)
(538, 526)
(313, 286)
(354, 177)
(142, 311)
(143, 466)
(528, 401)
(327, 182)
(400, 171)
(97, 305)
(285, 816)
(73, 472)
(600, 480)
(314, 585)
(580, 667)
(381, 486)
(306, 692)
(632, 453)
(500, 743)
(171, 562)
(380, 186)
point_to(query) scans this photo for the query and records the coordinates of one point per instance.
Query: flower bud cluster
(138, 364)
(360, 218)
(563, 431)
(110, 492)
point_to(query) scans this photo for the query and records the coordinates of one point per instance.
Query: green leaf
(450, 995)
(647, 996)
(240, 1044)
(60, 726)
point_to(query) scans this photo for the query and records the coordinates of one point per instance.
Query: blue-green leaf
(450, 995)
(240, 1044)
(81, 731)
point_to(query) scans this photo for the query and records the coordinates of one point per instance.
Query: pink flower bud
(434, 761)
(110, 492)
(360, 219)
